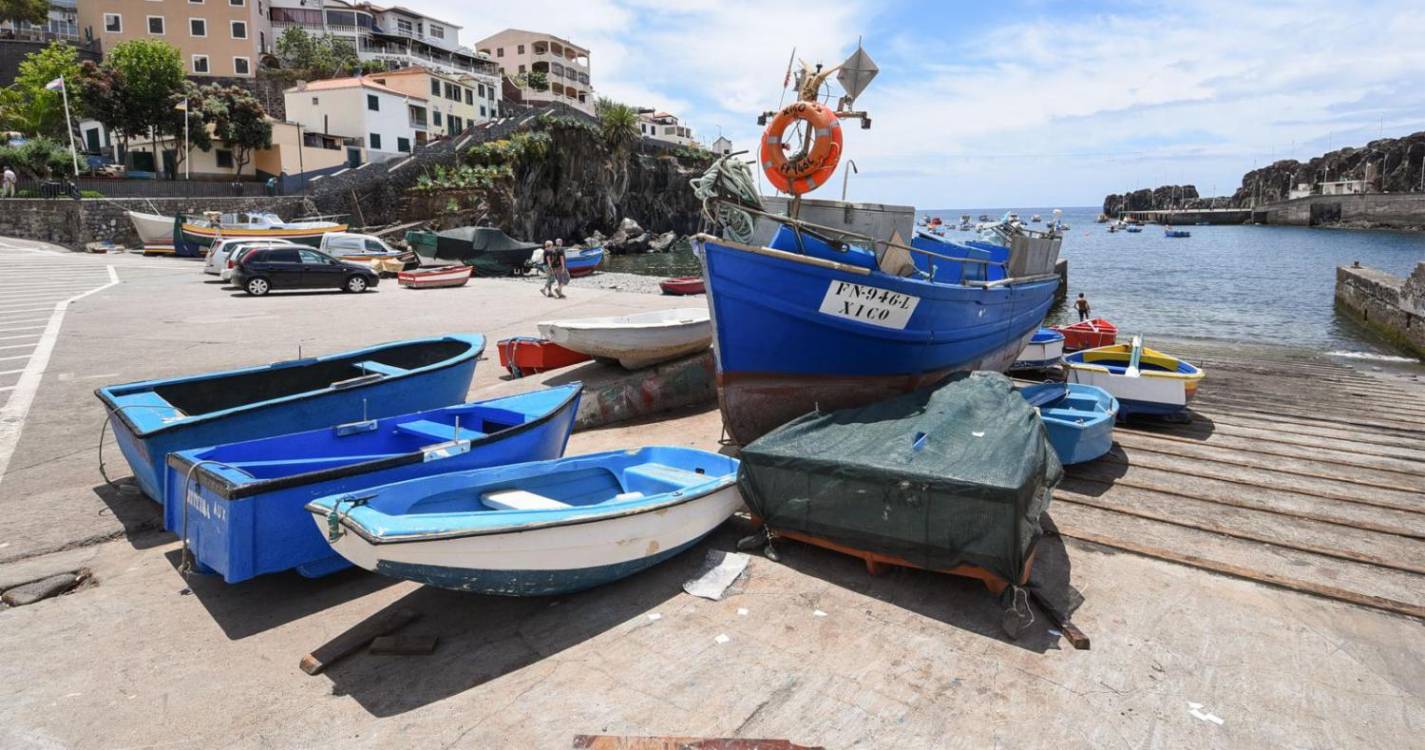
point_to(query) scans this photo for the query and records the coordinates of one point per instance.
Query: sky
(1016, 103)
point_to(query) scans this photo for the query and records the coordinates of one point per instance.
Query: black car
(263, 269)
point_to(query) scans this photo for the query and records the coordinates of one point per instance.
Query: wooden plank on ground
(1306, 428)
(1270, 434)
(1100, 477)
(1331, 540)
(1323, 452)
(356, 638)
(1356, 583)
(1408, 488)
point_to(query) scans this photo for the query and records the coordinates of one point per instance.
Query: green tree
(618, 123)
(317, 56)
(40, 158)
(27, 106)
(133, 91)
(33, 11)
(238, 120)
(537, 80)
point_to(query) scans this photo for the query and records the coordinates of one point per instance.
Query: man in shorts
(555, 270)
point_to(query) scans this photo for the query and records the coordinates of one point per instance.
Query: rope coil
(729, 184)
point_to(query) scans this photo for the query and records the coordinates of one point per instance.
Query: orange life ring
(803, 172)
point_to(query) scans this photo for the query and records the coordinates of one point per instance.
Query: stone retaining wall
(1391, 305)
(73, 223)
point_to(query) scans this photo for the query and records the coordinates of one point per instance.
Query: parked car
(364, 248)
(238, 251)
(218, 254)
(263, 269)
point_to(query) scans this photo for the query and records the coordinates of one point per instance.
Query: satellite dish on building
(856, 74)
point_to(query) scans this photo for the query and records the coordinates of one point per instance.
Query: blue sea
(1243, 285)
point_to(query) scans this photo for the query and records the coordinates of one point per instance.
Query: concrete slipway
(1193, 547)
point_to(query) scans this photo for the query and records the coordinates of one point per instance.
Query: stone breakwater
(1391, 305)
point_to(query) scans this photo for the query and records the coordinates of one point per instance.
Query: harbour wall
(1391, 305)
(74, 223)
(1370, 210)
(1183, 217)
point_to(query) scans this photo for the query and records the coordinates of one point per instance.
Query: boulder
(630, 227)
(663, 242)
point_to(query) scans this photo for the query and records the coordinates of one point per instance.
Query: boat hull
(682, 286)
(791, 336)
(1039, 355)
(523, 356)
(147, 428)
(585, 263)
(155, 232)
(441, 530)
(1088, 334)
(1079, 422)
(634, 346)
(203, 236)
(239, 528)
(434, 278)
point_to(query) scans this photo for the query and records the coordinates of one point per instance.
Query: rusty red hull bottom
(754, 404)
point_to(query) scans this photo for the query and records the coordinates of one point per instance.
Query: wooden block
(403, 645)
(356, 638)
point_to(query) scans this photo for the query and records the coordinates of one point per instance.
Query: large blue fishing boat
(814, 323)
(843, 312)
(240, 507)
(152, 418)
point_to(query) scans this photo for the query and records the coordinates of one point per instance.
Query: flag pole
(69, 125)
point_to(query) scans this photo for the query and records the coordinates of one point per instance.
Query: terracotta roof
(334, 84)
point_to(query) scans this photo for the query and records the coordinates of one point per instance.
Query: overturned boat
(534, 529)
(635, 341)
(152, 418)
(245, 513)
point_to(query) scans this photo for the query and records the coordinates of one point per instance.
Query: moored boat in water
(584, 261)
(152, 418)
(1144, 381)
(245, 502)
(638, 340)
(535, 529)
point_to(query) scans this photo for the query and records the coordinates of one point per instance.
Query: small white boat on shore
(155, 232)
(636, 341)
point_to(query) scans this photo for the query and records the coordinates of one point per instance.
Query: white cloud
(1041, 106)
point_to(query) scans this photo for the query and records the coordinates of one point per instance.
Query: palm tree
(617, 122)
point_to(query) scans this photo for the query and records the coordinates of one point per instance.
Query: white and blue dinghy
(538, 528)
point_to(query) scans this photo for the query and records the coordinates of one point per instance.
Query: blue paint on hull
(524, 582)
(261, 526)
(147, 428)
(1078, 419)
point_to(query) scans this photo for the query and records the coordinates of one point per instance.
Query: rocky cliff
(559, 177)
(1390, 165)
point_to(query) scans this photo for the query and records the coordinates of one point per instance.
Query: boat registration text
(868, 304)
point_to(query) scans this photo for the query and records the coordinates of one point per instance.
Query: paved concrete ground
(142, 658)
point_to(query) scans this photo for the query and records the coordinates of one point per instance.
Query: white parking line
(17, 356)
(25, 311)
(18, 346)
(22, 336)
(21, 320)
(17, 407)
(11, 372)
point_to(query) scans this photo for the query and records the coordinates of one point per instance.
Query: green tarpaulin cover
(959, 473)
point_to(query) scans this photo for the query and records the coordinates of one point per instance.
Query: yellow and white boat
(1144, 381)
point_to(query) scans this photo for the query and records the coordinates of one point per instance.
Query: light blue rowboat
(245, 502)
(1078, 418)
(547, 527)
(152, 418)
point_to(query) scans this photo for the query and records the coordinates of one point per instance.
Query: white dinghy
(636, 341)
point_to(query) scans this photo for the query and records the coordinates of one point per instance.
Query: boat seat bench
(663, 477)
(526, 500)
(374, 367)
(426, 428)
(1087, 416)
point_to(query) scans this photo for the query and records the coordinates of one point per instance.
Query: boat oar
(1135, 357)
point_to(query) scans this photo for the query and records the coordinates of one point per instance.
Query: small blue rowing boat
(1045, 349)
(548, 527)
(1078, 418)
(153, 418)
(1176, 233)
(583, 262)
(245, 515)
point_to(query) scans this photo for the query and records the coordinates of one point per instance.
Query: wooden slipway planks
(1308, 476)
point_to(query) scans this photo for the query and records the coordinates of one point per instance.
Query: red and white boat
(1088, 334)
(527, 355)
(682, 285)
(430, 278)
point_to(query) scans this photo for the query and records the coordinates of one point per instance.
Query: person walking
(554, 269)
(8, 182)
(1082, 305)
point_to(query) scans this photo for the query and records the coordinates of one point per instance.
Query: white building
(1344, 187)
(661, 126)
(383, 120)
(394, 36)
